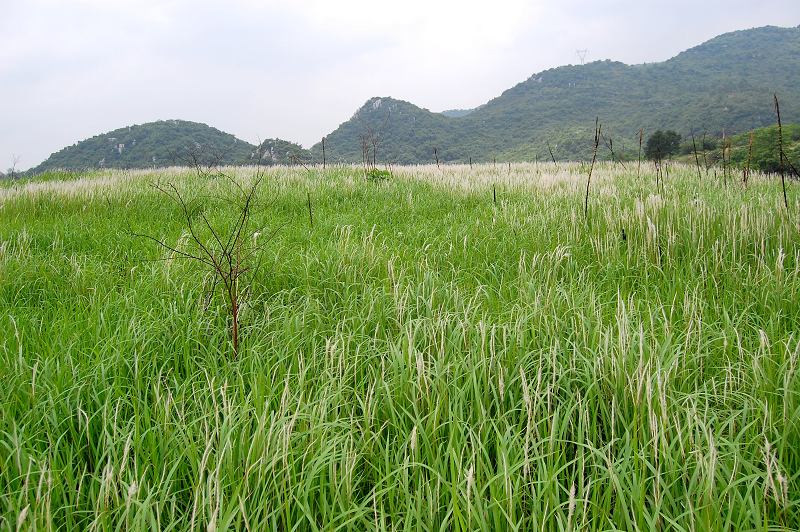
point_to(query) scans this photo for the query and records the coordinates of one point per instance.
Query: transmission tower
(582, 55)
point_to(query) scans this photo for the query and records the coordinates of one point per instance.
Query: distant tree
(12, 170)
(372, 136)
(763, 154)
(708, 143)
(662, 144)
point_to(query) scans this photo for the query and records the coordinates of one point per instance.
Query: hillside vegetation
(168, 143)
(725, 84)
(162, 143)
(278, 151)
(764, 154)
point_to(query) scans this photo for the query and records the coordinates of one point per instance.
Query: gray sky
(297, 69)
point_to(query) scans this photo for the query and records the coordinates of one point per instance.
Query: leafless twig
(597, 133)
(230, 250)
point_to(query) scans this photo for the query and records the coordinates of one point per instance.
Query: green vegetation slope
(278, 151)
(724, 84)
(764, 153)
(165, 143)
(162, 143)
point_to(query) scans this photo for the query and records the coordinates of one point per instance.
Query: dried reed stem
(696, 158)
(310, 213)
(552, 157)
(781, 155)
(597, 132)
(639, 167)
(749, 159)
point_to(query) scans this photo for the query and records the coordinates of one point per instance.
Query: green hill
(166, 143)
(764, 152)
(724, 84)
(277, 151)
(161, 143)
(457, 113)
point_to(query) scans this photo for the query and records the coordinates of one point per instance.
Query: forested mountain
(725, 84)
(457, 113)
(166, 143)
(760, 154)
(277, 151)
(162, 143)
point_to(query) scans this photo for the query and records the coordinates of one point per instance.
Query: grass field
(421, 358)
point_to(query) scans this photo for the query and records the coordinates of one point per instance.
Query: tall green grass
(419, 359)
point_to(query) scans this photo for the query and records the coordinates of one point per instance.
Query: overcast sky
(297, 69)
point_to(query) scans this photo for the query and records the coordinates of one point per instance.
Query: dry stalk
(310, 213)
(781, 155)
(552, 157)
(597, 133)
(639, 167)
(696, 158)
(228, 254)
(746, 172)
